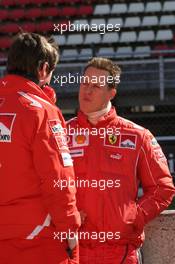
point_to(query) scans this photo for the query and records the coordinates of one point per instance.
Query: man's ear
(43, 71)
(113, 93)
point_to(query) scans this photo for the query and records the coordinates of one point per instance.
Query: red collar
(14, 83)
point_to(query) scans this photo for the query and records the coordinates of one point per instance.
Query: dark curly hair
(29, 51)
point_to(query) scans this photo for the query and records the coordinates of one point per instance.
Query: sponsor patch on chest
(127, 141)
(76, 152)
(78, 140)
(6, 126)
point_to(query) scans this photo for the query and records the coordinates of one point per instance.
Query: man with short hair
(36, 214)
(109, 168)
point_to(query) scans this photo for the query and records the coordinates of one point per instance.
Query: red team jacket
(33, 157)
(109, 168)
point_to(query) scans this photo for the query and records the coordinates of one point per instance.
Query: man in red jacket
(37, 214)
(112, 156)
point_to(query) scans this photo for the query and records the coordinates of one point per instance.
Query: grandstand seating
(143, 25)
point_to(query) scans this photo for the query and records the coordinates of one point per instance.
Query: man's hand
(73, 250)
(83, 216)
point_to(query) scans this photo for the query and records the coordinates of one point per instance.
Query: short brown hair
(107, 65)
(29, 51)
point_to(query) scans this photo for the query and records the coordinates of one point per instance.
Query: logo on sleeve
(58, 134)
(6, 125)
(56, 126)
(67, 160)
(154, 142)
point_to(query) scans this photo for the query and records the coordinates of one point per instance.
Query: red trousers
(109, 254)
(38, 251)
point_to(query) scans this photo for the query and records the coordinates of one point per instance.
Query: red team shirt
(33, 155)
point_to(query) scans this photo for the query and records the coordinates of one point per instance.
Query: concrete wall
(159, 246)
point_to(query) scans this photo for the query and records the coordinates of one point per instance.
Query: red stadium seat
(16, 14)
(7, 2)
(85, 10)
(58, 2)
(68, 1)
(33, 13)
(29, 27)
(45, 26)
(159, 50)
(39, 2)
(23, 2)
(3, 14)
(10, 28)
(69, 11)
(5, 42)
(51, 11)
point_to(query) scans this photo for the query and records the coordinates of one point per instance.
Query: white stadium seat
(110, 37)
(136, 8)
(150, 21)
(144, 51)
(167, 20)
(119, 9)
(153, 7)
(85, 53)
(80, 22)
(169, 6)
(147, 35)
(128, 36)
(114, 21)
(92, 38)
(97, 21)
(74, 39)
(132, 22)
(69, 54)
(124, 52)
(61, 39)
(106, 51)
(102, 9)
(164, 35)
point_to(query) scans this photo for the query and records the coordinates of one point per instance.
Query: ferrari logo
(112, 139)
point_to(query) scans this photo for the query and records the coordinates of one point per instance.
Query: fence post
(161, 78)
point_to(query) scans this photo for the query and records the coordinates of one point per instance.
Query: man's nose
(89, 88)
